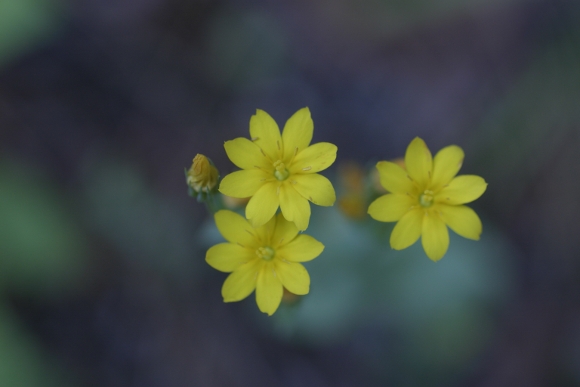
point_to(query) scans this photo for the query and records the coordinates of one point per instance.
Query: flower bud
(203, 175)
(352, 201)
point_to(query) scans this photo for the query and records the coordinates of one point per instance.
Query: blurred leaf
(442, 311)
(244, 48)
(470, 272)
(41, 249)
(526, 128)
(144, 226)
(22, 362)
(26, 23)
(337, 292)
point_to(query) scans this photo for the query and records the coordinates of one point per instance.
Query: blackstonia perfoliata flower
(265, 258)
(427, 197)
(279, 170)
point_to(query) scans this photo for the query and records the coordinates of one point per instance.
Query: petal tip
(478, 236)
(301, 229)
(436, 258)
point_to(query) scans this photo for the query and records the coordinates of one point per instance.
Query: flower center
(426, 199)
(281, 172)
(266, 253)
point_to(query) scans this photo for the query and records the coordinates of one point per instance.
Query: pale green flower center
(426, 198)
(281, 172)
(266, 253)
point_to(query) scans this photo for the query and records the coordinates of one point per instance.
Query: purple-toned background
(103, 103)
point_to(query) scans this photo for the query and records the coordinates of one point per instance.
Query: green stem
(214, 202)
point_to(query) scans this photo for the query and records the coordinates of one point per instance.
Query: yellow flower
(280, 170)
(265, 258)
(202, 176)
(427, 197)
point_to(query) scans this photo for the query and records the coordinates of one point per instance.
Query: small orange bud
(289, 298)
(352, 201)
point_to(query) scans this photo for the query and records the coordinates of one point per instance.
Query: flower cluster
(279, 171)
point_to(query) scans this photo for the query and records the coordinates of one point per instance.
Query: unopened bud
(203, 175)
(352, 200)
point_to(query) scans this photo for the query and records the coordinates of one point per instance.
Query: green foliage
(24, 24)
(22, 362)
(244, 49)
(42, 254)
(527, 127)
(442, 312)
(142, 225)
(42, 250)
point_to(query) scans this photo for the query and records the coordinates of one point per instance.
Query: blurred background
(102, 273)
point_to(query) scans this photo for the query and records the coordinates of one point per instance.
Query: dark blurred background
(104, 103)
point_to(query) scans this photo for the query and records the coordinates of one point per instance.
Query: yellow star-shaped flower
(279, 170)
(265, 258)
(427, 197)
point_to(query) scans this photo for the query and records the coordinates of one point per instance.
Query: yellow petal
(315, 158)
(265, 231)
(294, 276)
(263, 205)
(297, 133)
(463, 220)
(463, 189)
(294, 207)
(302, 249)
(446, 164)
(268, 290)
(235, 229)
(418, 161)
(265, 134)
(407, 230)
(244, 183)
(246, 155)
(242, 282)
(435, 237)
(284, 232)
(394, 178)
(391, 207)
(314, 187)
(227, 257)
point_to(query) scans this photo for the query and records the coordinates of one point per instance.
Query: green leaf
(41, 248)
(25, 24)
(23, 363)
